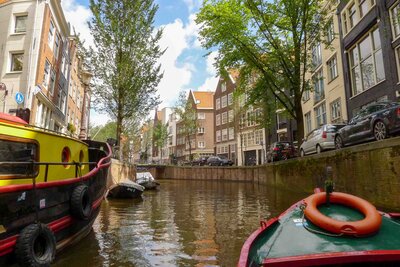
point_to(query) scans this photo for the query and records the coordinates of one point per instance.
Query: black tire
(81, 203)
(380, 131)
(338, 142)
(36, 246)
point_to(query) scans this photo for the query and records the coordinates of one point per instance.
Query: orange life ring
(370, 224)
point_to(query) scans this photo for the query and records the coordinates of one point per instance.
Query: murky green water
(185, 223)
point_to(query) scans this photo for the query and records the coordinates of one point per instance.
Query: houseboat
(51, 188)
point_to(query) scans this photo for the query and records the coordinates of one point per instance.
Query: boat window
(15, 151)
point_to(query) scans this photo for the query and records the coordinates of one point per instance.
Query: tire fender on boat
(81, 202)
(36, 246)
(369, 225)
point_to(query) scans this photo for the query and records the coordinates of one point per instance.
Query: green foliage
(160, 135)
(185, 109)
(71, 128)
(101, 133)
(266, 40)
(124, 59)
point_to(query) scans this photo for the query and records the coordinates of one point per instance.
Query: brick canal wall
(371, 171)
(119, 171)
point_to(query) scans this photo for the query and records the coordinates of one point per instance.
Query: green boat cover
(290, 236)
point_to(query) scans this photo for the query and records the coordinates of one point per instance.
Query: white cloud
(98, 119)
(78, 16)
(211, 82)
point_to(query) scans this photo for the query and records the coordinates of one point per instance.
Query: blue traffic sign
(19, 98)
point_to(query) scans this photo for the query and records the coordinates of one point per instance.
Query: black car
(281, 151)
(375, 121)
(219, 161)
(200, 161)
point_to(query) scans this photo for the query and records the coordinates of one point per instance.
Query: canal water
(185, 223)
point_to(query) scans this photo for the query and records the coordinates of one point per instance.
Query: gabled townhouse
(224, 121)
(370, 43)
(35, 61)
(326, 102)
(201, 141)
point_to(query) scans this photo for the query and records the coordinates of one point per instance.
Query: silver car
(320, 139)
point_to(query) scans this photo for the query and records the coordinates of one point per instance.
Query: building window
(398, 61)
(57, 47)
(218, 119)
(223, 86)
(200, 130)
(366, 63)
(224, 117)
(52, 81)
(224, 134)
(318, 80)
(231, 133)
(250, 138)
(352, 15)
(218, 135)
(230, 115)
(50, 38)
(395, 19)
(217, 103)
(230, 99)
(17, 61)
(354, 12)
(307, 118)
(306, 95)
(201, 116)
(201, 144)
(320, 115)
(223, 101)
(259, 137)
(46, 74)
(336, 113)
(20, 23)
(332, 68)
(316, 55)
(330, 32)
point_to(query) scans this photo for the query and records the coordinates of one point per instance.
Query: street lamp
(86, 76)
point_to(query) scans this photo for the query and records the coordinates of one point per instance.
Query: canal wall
(371, 171)
(120, 171)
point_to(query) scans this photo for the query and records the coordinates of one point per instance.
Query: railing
(32, 164)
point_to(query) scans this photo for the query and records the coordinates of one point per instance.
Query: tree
(160, 136)
(185, 109)
(267, 40)
(125, 58)
(102, 133)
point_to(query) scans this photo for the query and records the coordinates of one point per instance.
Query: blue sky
(184, 64)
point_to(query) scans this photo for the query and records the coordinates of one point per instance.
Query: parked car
(320, 139)
(281, 151)
(219, 161)
(200, 161)
(375, 121)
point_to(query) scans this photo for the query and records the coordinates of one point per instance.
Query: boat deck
(288, 238)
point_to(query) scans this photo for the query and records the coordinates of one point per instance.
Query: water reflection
(185, 223)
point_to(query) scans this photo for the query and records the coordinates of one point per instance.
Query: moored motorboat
(125, 189)
(346, 231)
(51, 188)
(146, 180)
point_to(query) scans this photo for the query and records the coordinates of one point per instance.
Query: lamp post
(3, 87)
(86, 76)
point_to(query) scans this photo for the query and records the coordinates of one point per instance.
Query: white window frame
(223, 86)
(224, 134)
(230, 99)
(52, 32)
(224, 102)
(230, 115)
(320, 114)
(17, 17)
(336, 110)
(218, 103)
(201, 116)
(201, 144)
(12, 61)
(224, 118)
(231, 133)
(332, 68)
(218, 136)
(307, 119)
(218, 119)
(395, 20)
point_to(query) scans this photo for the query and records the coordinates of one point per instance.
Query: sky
(185, 64)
